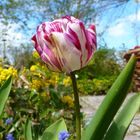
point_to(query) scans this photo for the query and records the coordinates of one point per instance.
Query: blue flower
(9, 137)
(9, 121)
(63, 135)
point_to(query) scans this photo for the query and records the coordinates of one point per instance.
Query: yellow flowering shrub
(35, 54)
(6, 72)
(68, 100)
(54, 79)
(67, 81)
(36, 84)
(33, 68)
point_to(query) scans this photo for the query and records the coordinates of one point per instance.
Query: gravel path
(91, 103)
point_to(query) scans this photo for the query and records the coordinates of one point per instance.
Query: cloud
(132, 18)
(117, 30)
(129, 19)
(11, 33)
(123, 26)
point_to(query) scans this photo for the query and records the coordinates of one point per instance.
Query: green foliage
(104, 63)
(44, 96)
(52, 132)
(4, 93)
(119, 127)
(37, 94)
(110, 105)
(28, 131)
(100, 73)
(95, 86)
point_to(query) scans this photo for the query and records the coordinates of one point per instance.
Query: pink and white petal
(37, 46)
(49, 63)
(91, 34)
(79, 30)
(50, 47)
(71, 19)
(67, 52)
(51, 56)
(47, 50)
(48, 27)
(91, 41)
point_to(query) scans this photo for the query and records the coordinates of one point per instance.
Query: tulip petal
(91, 42)
(44, 48)
(78, 31)
(37, 46)
(49, 58)
(69, 55)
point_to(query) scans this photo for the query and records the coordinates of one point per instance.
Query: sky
(120, 28)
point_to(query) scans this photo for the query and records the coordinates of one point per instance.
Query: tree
(27, 14)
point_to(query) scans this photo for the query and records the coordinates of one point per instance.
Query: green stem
(77, 106)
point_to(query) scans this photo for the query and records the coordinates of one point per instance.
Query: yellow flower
(35, 54)
(68, 100)
(54, 79)
(5, 73)
(33, 68)
(12, 71)
(67, 81)
(36, 84)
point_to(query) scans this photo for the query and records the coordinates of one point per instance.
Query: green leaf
(52, 132)
(4, 93)
(55, 98)
(111, 103)
(119, 127)
(28, 130)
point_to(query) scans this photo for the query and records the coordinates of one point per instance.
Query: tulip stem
(77, 106)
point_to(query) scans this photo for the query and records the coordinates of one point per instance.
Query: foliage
(105, 63)
(98, 128)
(100, 74)
(110, 105)
(52, 132)
(120, 124)
(44, 96)
(36, 93)
(4, 93)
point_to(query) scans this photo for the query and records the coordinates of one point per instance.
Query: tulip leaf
(111, 103)
(28, 130)
(4, 93)
(119, 127)
(52, 132)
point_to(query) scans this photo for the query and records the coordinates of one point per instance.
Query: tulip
(64, 44)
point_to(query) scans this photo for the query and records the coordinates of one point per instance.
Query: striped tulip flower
(64, 44)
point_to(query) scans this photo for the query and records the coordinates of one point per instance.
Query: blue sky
(122, 26)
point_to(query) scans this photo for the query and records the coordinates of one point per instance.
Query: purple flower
(9, 121)
(63, 135)
(9, 137)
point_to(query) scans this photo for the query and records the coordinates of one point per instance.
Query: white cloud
(11, 34)
(122, 26)
(132, 18)
(117, 30)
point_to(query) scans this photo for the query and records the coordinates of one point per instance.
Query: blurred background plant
(36, 93)
(46, 96)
